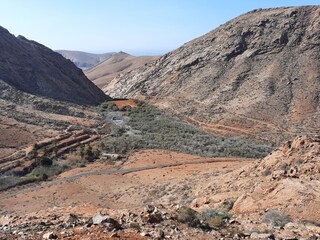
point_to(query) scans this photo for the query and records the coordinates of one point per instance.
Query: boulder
(50, 235)
(99, 219)
(265, 236)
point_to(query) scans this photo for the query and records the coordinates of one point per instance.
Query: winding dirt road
(30, 188)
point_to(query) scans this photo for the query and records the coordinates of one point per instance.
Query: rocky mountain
(118, 63)
(256, 76)
(85, 60)
(33, 68)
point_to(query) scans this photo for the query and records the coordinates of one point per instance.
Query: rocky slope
(33, 68)
(255, 76)
(287, 180)
(26, 119)
(118, 64)
(273, 198)
(85, 60)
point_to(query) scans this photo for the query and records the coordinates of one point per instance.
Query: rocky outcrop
(33, 68)
(257, 75)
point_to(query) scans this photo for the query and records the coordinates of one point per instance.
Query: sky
(138, 27)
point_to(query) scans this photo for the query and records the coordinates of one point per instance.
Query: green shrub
(44, 161)
(89, 154)
(118, 131)
(44, 177)
(124, 144)
(44, 172)
(7, 182)
(126, 108)
(152, 129)
(110, 105)
(82, 165)
(139, 102)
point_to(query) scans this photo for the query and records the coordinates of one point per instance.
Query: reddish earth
(121, 103)
(118, 191)
(15, 135)
(109, 193)
(287, 181)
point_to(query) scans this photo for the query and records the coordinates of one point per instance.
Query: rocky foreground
(278, 198)
(160, 222)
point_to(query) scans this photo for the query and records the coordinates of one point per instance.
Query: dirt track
(150, 176)
(110, 172)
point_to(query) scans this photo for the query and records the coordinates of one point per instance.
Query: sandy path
(114, 171)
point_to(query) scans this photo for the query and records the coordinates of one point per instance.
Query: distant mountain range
(102, 68)
(117, 64)
(85, 60)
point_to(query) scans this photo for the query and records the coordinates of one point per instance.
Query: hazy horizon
(136, 27)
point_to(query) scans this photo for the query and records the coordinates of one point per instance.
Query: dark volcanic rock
(258, 74)
(36, 69)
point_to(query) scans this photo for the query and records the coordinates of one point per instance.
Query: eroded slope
(33, 68)
(255, 76)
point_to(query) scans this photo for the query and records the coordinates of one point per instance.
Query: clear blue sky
(139, 27)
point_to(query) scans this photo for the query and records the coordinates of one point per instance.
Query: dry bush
(275, 218)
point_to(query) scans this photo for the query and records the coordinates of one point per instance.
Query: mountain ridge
(85, 60)
(118, 64)
(255, 76)
(33, 68)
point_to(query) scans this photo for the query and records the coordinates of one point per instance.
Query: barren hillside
(33, 68)
(167, 195)
(256, 76)
(118, 64)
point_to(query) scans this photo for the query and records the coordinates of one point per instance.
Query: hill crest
(255, 76)
(33, 68)
(118, 64)
(85, 60)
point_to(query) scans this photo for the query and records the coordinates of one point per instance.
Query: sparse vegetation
(126, 108)
(149, 128)
(39, 173)
(109, 105)
(34, 151)
(188, 216)
(10, 181)
(209, 218)
(118, 131)
(44, 172)
(91, 154)
(145, 127)
(226, 205)
(44, 161)
(214, 218)
(275, 218)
